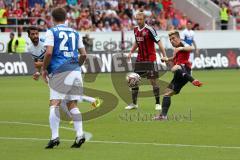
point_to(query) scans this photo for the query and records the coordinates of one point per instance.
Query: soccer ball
(133, 79)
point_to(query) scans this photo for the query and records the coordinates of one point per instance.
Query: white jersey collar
(142, 28)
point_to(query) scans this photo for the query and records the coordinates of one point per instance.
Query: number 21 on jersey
(65, 38)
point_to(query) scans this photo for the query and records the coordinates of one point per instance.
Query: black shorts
(178, 82)
(146, 69)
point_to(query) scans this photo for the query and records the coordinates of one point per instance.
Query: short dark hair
(32, 28)
(59, 14)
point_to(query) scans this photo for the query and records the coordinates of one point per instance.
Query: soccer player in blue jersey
(61, 68)
(188, 36)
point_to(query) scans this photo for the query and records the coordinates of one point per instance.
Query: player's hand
(45, 75)
(36, 76)
(129, 57)
(38, 64)
(164, 59)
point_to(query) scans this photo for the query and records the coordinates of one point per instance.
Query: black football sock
(156, 91)
(135, 94)
(165, 105)
(187, 76)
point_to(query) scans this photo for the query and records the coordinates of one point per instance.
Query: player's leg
(166, 101)
(88, 99)
(182, 71)
(156, 92)
(75, 81)
(173, 88)
(77, 122)
(135, 90)
(64, 107)
(133, 105)
(54, 121)
(95, 102)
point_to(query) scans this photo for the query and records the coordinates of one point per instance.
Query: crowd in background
(92, 15)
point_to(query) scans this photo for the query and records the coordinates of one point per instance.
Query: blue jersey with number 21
(65, 49)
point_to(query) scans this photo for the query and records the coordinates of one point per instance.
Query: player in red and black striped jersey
(145, 65)
(181, 68)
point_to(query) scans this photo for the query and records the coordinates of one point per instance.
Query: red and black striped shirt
(145, 39)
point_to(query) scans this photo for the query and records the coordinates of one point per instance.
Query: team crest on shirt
(144, 33)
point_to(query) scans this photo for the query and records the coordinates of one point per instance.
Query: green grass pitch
(211, 134)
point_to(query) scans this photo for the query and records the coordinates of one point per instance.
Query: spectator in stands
(3, 18)
(224, 16)
(162, 20)
(72, 2)
(158, 7)
(175, 21)
(126, 23)
(32, 3)
(107, 27)
(86, 15)
(167, 6)
(183, 22)
(129, 10)
(10, 44)
(100, 27)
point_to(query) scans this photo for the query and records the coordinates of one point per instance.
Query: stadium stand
(95, 15)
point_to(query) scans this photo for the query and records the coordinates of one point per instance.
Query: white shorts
(66, 85)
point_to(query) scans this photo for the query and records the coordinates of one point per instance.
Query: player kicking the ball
(145, 65)
(181, 68)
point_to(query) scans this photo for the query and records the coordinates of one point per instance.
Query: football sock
(54, 120)
(64, 107)
(135, 94)
(88, 99)
(165, 105)
(187, 76)
(77, 121)
(156, 91)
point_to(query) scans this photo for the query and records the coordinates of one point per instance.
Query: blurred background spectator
(91, 15)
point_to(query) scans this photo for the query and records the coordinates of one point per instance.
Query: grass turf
(214, 122)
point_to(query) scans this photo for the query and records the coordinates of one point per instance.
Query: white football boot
(158, 107)
(131, 106)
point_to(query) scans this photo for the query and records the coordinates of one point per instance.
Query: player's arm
(134, 47)
(156, 39)
(195, 46)
(49, 43)
(37, 66)
(82, 57)
(185, 48)
(82, 51)
(162, 49)
(46, 62)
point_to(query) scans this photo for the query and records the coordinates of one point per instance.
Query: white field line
(110, 142)
(88, 135)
